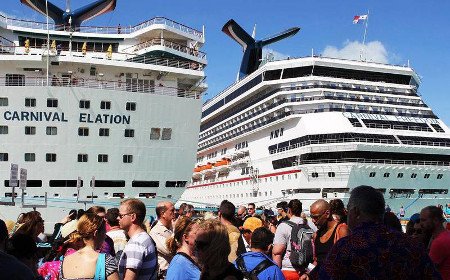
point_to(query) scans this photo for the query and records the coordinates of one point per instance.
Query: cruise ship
(91, 115)
(316, 127)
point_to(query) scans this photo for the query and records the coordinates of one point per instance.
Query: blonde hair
(214, 257)
(183, 226)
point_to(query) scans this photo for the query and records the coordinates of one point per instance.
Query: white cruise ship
(96, 114)
(316, 127)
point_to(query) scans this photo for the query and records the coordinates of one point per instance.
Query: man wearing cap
(256, 263)
(248, 227)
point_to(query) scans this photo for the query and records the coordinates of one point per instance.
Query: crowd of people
(360, 241)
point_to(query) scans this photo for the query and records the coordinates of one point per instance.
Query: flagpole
(365, 34)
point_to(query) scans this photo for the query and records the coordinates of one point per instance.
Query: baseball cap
(252, 223)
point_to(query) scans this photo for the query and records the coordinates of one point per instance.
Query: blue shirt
(182, 267)
(252, 259)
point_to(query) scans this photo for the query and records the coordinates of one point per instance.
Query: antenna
(67, 6)
(254, 31)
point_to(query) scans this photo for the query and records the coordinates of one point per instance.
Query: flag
(357, 19)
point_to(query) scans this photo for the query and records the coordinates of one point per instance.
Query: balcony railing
(377, 161)
(168, 44)
(102, 29)
(97, 84)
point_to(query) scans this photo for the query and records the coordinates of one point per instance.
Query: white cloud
(276, 55)
(371, 51)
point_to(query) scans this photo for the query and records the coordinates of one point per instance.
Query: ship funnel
(77, 16)
(252, 48)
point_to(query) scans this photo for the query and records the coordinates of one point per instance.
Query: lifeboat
(224, 161)
(198, 168)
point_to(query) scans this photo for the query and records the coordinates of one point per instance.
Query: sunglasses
(316, 217)
(123, 215)
(201, 245)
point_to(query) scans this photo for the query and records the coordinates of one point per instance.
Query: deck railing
(377, 161)
(168, 44)
(102, 29)
(96, 84)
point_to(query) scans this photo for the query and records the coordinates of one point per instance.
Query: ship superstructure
(316, 127)
(98, 114)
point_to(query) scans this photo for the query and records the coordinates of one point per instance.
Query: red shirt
(440, 253)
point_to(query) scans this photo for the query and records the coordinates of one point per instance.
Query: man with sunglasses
(139, 259)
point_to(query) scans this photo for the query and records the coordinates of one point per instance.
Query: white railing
(377, 161)
(97, 84)
(102, 29)
(168, 44)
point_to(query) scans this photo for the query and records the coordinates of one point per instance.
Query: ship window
(30, 183)
(52, 102)
(30, 102)
(3, 101)
(109, 184)
(414, 175)
(82, 157)
(127, 158)
(103, 132)
(15, 80)
(51, 130)
(85, 104)
(3, 156)
(102, 158)
(93, 71)
(3, 129)
(145, 184)
(63, 183)
(315, 174)
(105, 105)
(50, 157)
(155, 133)
(372, 174)
(331, 174)
(83, 131)
(131, 106)
(129, 132)
(312, 190)
(166, 134)
(30, 157)
(433, 191)
(386, 175)
(426, 176)
(30, 130)
(400, 175)
(175, 184)
(439, 176)
(147, 195)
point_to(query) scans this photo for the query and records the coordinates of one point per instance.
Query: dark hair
(369, 201)
(111, 216)
(252, 204)
(296, 207)
(73, 214)
(80, 213)
(283, 205)
(96, 210)
(337, 207)
(227, 210)
(137, 207)
(392, 222)
(261, 238)
(22, 246)
(30, 222)
(3, 231)
(435, 212)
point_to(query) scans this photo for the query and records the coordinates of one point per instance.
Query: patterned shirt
(139, 254)
(372, 251)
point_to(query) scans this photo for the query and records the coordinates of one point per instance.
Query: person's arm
(114, 276)
(277, 253)
(130, 274)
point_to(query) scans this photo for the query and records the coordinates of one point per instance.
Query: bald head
(162, 207)
(320, 205)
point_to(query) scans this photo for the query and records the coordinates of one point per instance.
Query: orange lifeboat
(208, 166)
(222, 162)
(198, 168)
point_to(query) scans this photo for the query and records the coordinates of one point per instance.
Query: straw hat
(68, 228)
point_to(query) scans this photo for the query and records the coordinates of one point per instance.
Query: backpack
(253, 274)
(301, 245)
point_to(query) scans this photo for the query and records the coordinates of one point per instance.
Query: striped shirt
(139, 254)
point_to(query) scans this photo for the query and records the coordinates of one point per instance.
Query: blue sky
(398, 31)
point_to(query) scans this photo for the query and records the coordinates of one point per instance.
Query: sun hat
(68, 228)
(252, 223)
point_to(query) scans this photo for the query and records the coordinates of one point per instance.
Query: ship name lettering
(34, 116)
(104, 118)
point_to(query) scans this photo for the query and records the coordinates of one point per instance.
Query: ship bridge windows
(3, 156)
(52, 102)
(105, 105)
(3, 129)
(50, 157)
(83, 131)
(102, 158)
(85, 104)
(104, 132)
(382, 124)
(30, 130)
(30, 102)
(30, 157)
(145, 184)
(130, 106)
(355, 122)
(175, 184)
(51, 130)
(437, 127)
(15, 80)
(82, 157)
